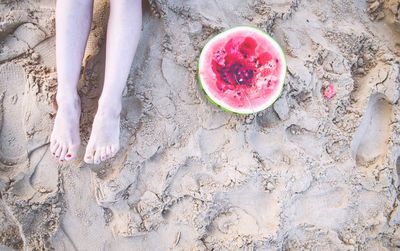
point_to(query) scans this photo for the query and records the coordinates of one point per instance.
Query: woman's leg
(73, 19)
(123, 33)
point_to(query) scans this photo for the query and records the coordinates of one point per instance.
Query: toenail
(56, 156)
(69, 155)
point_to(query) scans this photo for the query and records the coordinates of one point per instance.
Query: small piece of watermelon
(329, 92)
(242, 70)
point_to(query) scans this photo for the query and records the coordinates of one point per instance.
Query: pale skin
(123, 33)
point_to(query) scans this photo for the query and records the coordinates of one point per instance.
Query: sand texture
(309, 173)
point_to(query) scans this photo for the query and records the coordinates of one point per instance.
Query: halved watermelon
(242, 70)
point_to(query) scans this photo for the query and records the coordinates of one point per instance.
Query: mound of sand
(307, 173)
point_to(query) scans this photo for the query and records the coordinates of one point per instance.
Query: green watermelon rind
(225, 107)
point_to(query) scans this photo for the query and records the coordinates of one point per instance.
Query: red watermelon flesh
(242, 70)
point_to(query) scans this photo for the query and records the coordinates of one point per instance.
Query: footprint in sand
(235, 221)
(304, 139)
(47, 51)
(26, 36)
(12, 134)
(19, 114)
(371, 137)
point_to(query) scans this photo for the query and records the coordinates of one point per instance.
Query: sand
(306, 174)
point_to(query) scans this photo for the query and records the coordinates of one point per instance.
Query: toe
(53, 147)
(57, 152)
(63, 152)
(89, 155)
(103, 154)
(97, 156)
(72, 152)
(114, 150)
(108, 152)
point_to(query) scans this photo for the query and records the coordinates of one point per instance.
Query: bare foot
(104, 139)
(64, 140)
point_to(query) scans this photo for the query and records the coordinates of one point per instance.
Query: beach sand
(306, 174)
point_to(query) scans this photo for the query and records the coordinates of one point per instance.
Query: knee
(79, 2)
(74, 5)
(124, 3)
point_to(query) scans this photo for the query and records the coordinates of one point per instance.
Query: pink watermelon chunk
(242, 70)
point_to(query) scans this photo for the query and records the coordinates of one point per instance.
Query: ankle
(109, 107)
(111, 110)
(66, 95)
(67, 99)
